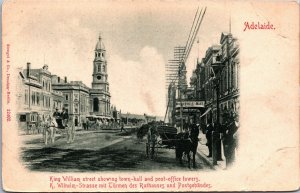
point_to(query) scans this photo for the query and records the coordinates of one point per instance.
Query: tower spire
(100, 35)
(100, 45)
(100, 86)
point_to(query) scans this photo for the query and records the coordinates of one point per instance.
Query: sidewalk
(202, 150)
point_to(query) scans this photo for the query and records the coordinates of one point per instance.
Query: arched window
(103, 68)
(95, 54)
(96, 105)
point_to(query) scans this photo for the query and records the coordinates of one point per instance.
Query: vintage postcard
(148, 96)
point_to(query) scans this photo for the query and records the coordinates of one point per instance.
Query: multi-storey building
(76, 98)
(229, 84)
(36, 98)
(99, 93)
(216, 73)
(226, 58)
(212, 58)
(42, 92)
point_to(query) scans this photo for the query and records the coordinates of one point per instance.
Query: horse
(49, 130)
(142, 131)
(187, 143)
(52, 127)
(152, 139)
(69, 129)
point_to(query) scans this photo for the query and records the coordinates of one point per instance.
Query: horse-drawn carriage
(30, 122)
(166, 137)
(55, 126)
(160, 136)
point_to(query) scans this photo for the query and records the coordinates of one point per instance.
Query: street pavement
(100, 150)
(203, 152)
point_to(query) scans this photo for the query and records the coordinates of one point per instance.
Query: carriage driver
(65, 117)
(194, 130)
(57, 117)
(56, 114)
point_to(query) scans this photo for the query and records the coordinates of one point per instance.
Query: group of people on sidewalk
(226, 133)
(216, 134)
(98, 123)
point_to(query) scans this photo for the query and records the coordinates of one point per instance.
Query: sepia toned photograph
(70, 125)
(148, 96)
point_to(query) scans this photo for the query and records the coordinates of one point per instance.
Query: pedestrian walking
(83, 120)
(87, 124)
(122, 126)
(208, 136)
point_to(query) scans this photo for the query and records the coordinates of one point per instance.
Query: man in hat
(229, 139)
(57, 117)
(208, 135)
(56, 114)
(65, 117)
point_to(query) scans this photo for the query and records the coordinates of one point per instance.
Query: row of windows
(229, 80)
(36, 99)
(76, 97)
(83, 108)
(230, 77)
(46, 85)
(98, 54)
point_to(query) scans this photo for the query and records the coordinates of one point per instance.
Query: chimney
(28, 69)
(66, 80)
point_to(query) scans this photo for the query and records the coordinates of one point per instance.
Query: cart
(29, 122)
(158, 137)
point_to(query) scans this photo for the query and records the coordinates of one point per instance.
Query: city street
(101, 150)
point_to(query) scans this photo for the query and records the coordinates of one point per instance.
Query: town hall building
(99, 93)
(43, 92)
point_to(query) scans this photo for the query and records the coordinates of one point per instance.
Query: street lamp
(217, 69)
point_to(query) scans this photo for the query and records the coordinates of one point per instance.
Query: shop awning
(207, 111)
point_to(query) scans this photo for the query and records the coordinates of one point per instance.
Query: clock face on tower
(99, 77)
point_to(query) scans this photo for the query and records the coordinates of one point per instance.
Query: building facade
(229, 86)
(76, 98)
(214, 81)
(99, 93)
(226, 57)
(36, 97)
(41, 92)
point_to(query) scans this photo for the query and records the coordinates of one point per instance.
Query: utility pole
(181, 120)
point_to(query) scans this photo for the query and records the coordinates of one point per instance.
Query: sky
(139, 38)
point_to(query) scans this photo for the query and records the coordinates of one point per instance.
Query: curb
(208, 162)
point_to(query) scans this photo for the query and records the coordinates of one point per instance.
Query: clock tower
(100, 96)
